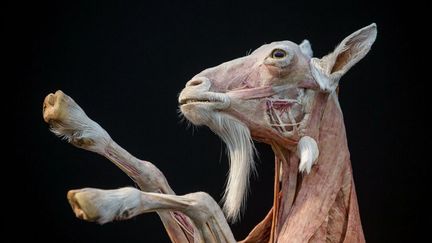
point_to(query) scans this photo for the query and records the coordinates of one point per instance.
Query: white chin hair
(196, 115)
(240, 151)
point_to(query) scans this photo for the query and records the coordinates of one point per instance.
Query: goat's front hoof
(55, 107)
(80, 203)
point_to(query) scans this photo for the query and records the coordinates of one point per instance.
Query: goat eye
(278, 53)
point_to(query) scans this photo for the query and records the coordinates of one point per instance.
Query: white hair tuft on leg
(308, 152)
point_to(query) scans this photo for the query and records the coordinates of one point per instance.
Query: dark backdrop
(125, 63)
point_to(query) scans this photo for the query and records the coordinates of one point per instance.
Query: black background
(126, 62)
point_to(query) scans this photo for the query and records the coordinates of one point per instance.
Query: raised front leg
(107, 205)
(68, 120)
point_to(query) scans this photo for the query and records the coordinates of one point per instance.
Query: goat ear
(329, 69)
(306, 48)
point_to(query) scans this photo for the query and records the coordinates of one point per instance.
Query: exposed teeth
(193, 101)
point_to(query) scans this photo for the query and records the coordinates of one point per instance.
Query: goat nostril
(194, 82)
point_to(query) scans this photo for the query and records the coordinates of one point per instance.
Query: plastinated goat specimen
(279, 95)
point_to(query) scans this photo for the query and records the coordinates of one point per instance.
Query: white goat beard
(241, 158)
